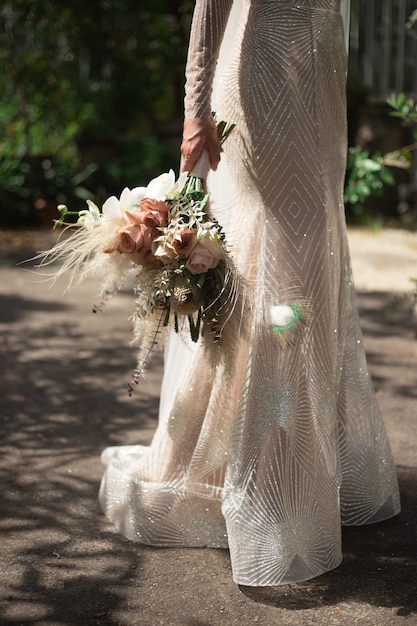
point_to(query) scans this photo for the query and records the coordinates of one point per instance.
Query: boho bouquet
(162, 237)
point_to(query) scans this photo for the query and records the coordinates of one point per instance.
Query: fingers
(192, 143)
(199, 134)
(212, 144)
(190, 154)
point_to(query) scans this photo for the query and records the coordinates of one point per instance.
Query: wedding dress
(274, 447)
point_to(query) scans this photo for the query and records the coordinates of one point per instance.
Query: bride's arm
(207, 29)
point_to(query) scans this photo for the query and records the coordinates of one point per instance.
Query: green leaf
(386, 176)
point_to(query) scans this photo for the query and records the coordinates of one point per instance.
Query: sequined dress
(272, 449)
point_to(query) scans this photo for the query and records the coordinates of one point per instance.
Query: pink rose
(145, 257)
(129, 239)
(205, 255)
(148, 233)
(184, 242)
(153, 213)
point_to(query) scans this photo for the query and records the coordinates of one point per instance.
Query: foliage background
(92, 97)
(92, 101)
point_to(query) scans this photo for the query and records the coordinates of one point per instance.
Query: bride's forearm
(207, 29)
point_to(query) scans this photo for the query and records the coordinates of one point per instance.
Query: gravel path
(383, 261)
(63, 399)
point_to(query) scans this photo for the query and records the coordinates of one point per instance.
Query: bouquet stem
(202, 167)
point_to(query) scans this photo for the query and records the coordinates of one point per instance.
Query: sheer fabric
(345, 12)
(271, 449)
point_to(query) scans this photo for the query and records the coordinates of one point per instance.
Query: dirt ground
(63, 399)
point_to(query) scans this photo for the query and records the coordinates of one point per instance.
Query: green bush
(89, 91)
(367, 174)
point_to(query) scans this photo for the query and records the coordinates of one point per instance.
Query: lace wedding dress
(270, 450)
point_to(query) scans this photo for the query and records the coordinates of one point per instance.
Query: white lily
(138, 193)
(160, 186)
(111, 208)
(179, 184)
(157, 189)
(114, 208)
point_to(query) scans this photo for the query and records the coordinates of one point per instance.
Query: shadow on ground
(63, 399)
(378, 566)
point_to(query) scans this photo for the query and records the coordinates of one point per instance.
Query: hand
(200, 134)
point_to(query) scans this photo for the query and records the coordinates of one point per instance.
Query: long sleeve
(345, 11)
(207, 29)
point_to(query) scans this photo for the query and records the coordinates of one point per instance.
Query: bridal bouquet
(163, 238)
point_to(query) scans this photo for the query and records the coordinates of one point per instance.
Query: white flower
(157, 189)
(207, 231)
(371, 165)
(282, 315)
(89, 218)
(164, 252)
(179, 184)
(114, 208)
(137, 194)
(111, 208)
(164, 184)
(160, 186)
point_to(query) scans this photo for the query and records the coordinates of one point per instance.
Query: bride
(268, 451)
